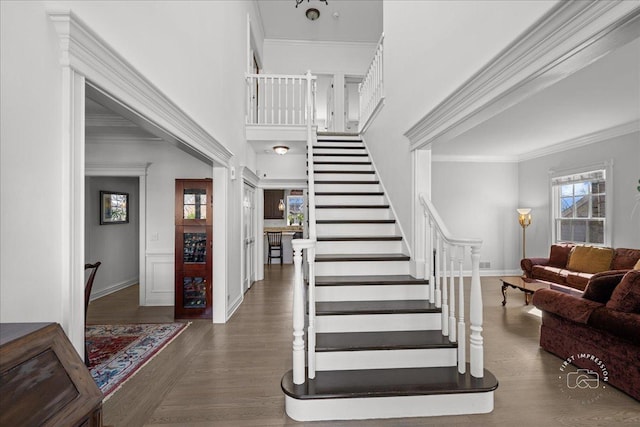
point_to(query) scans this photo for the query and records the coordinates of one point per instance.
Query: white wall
(289, 166)
(431, 48)
(193, 51)
(534, 189)
(480, 200)
(114, 245)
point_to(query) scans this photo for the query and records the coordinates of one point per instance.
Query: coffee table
(528, 286)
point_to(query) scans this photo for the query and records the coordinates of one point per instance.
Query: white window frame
(607, 166)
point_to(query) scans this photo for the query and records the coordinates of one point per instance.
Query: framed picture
(114, 207)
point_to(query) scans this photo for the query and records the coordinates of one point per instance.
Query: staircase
(377, 346)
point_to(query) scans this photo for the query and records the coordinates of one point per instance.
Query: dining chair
(87, 296)
(275, 244)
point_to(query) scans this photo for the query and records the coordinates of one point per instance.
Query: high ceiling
(340, 20)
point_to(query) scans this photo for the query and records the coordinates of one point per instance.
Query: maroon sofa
(557, 268)
(604, 322)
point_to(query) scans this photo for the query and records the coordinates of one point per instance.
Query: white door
(249, 237)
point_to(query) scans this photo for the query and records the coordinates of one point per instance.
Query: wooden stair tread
(347, 182)
(352, 206)
(345, 172)
(401, 279)
(355, 221)
(361, 257)
(387, 383)
(390, 340)
(358, 238)
(375, 307)
(349, 193)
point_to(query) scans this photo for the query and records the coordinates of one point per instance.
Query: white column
(298, 318)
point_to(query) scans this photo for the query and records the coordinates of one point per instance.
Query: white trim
(113, 288)
(320, 43)
(607, 165)
(221, 193)
(283, 183)
(138, 170)
(250, 177)
(372, 116)
(87, 53)
(569, 37)
(233, 306)
(474, 159)
(581, 141)
(154, 295)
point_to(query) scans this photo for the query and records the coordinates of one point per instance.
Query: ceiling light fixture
(281, 149)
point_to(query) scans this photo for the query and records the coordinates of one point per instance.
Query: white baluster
(462, 328)
(452, 297)
(432, 267)
(427, 263)
(298, 318)
(286, 101)
(475, 314)
(437, 272)
(279, 100)
(445, 294)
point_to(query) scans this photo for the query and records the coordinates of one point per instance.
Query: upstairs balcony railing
(448, 251)
(280, 99)
(372, 88)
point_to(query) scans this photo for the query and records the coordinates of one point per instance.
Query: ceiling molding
(91, 56)
(320, 43)
(581, 141)
(473, 159)
(569, 37)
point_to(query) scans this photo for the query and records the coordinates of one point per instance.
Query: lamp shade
(523, 211)
(281, 205)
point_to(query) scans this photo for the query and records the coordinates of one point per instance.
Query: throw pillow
(626, 296)
(559, 255)
(600, 288)
(590, 259)
(637, 266)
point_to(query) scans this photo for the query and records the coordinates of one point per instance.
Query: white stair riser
(346, 187)
(389, 407)
(378, 322)
(348, 137)
(358, 213)
(372, 292)
(361, 268)
(352, 200)
(386, 359)
(320, 158)
(338, 144)
(360, 247)
(337, 167)
(345, 177)
(338, 150)
(356, 229)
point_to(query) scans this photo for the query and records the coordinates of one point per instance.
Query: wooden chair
(275, 244)
(87, 296)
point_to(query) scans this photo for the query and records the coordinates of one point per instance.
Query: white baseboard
(234, 306)
(113, 288)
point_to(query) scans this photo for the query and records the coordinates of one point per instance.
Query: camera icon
(583, 378)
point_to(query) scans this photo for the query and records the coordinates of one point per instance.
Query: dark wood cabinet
(272, 199)
(43, 381)
(193, 245)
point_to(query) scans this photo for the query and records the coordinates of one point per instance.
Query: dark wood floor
(229, 375)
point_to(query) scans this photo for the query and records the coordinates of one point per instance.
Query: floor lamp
(524, 218)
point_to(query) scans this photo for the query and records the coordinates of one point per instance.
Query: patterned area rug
(117, 352)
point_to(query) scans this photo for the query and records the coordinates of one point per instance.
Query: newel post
(298, 317)
(475, 315)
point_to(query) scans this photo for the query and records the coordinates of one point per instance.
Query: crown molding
(319, 43)
(89, 55)
(569, 37)
(473, 159)
(581, 141)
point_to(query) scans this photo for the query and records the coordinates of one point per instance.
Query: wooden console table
(43, 381)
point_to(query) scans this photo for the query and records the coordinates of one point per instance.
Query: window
(579, 211)
(295, 210)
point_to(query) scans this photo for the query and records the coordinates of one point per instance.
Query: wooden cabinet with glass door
(193, 220)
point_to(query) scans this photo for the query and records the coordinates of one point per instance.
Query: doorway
(249, 236)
